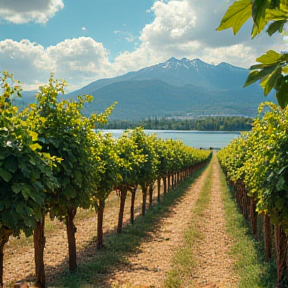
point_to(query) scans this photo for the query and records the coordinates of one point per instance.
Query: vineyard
(256, 165)
(52, 163)
(60, 175)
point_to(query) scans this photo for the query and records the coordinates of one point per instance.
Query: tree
(148, 169)
(161, 165)
(273, 68)
(65, 133)
(105, 148)
(25, 172)
(130, 159)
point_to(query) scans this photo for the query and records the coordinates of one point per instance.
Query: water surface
(196, 139)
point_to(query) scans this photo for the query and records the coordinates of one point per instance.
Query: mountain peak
(173, 63)
(197, 60)
(177, 86)
(172, 59)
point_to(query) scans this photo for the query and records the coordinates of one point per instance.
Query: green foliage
(272, 72)
(143, 158)
(148, 168)
(237, 14)
(66, 134)
(260, 160)
(108, 167)
(130, 160)
(25, 173)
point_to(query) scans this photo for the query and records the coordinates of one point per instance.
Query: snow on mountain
(177, 86)
(180, 73)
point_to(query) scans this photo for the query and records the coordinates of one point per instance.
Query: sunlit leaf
(270, 57)
(259, 16)
(237, 14)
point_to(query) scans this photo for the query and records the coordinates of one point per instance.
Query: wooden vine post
(267, 236)
(39, 245)
(281, 252)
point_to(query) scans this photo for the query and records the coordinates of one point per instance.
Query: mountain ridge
(175, 88)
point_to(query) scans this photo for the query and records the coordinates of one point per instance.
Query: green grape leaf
(281, 94)
(237, 14)
(36, 196)
(11, 164)
(259, 16)
(275, 26)
(270, 57)
(16, 187)
(252, 78)
(280, 183)
(23, 210)
(70, 192)
(5, 175)
(269, 82)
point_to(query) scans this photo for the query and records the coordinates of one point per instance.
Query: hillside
(175, 88)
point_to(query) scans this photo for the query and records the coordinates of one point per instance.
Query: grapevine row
(52, 162)
(257, 166)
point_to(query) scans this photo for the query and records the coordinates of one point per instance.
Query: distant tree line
(207, 123)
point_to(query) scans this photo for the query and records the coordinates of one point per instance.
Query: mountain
(179, 73)
(176, 87)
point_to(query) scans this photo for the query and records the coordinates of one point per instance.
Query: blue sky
(82, 41)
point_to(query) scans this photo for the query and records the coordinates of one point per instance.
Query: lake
(196, 139)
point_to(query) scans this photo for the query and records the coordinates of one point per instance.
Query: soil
(215, 267)
(147, 267)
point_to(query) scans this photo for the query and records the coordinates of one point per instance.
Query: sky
(85, 40)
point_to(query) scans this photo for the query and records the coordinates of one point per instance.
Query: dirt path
(215, 267)
(148, 267)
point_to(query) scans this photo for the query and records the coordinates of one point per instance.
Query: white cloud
(234, 55)
(173, 24)
(79, 61)
(24, 11)
(187, 28)
(184, 28)
(25, 60)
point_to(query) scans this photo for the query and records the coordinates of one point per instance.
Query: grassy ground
(254, 272)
